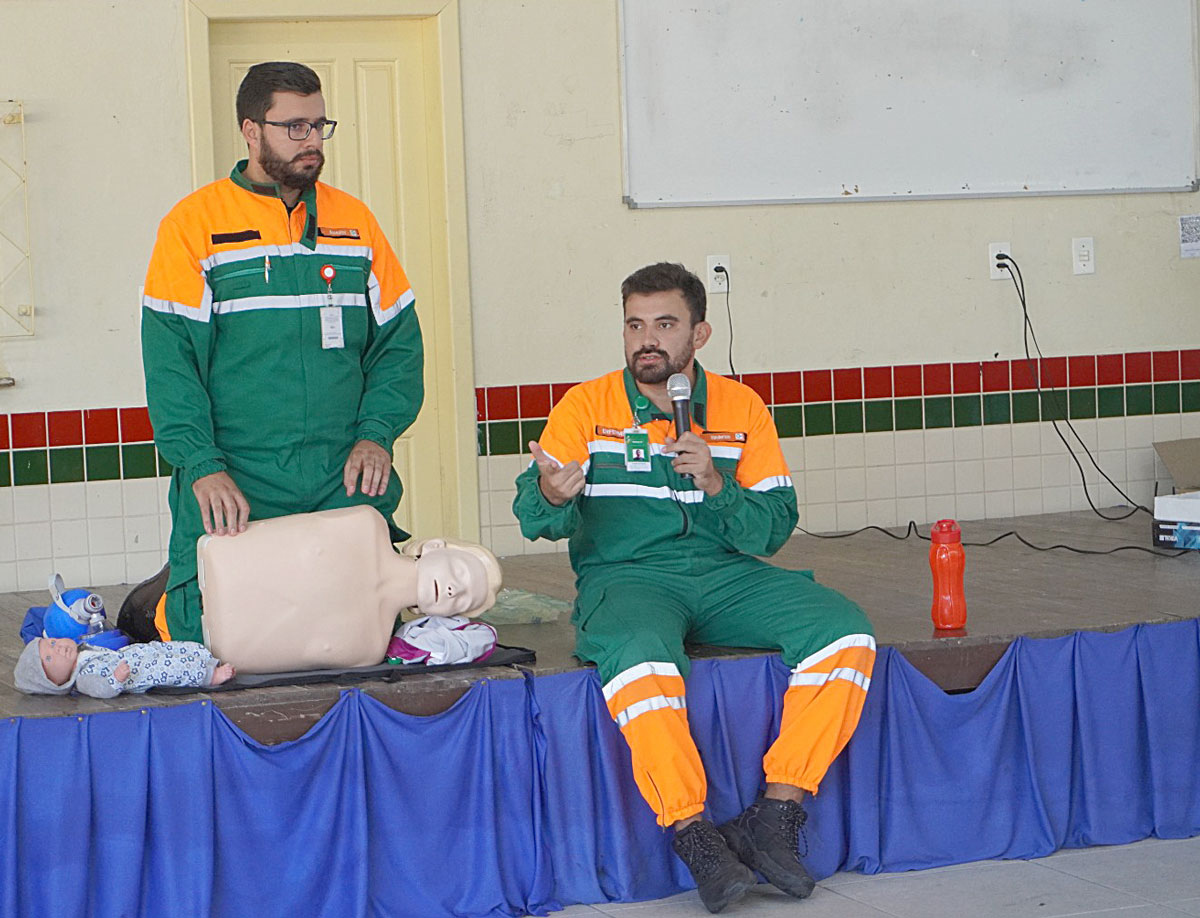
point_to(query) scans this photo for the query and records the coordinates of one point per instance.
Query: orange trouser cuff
(666, 764)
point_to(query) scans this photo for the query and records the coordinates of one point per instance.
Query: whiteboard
(765, 101)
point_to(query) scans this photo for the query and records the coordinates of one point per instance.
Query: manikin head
(664, 322)
(46, 666)
(454, 578)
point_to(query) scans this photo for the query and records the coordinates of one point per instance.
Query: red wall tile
(1024, 374)
(818, 386)
(65, 427)
(557, 391)
(1137, 367)
(936, 378)
(502, 403)
(760, 383)
(100, 425)
(968, 377)
(847, 383)
(995, 376)
(1110, 369)
(28, 430)
(1054, 372)
(786, 387)
(1166, 366)
(907, 381)
(1081, 371)
(534, 400)
(135, 425)
(480, 404)
(1189, 364)
(4, 431)
(877, 382)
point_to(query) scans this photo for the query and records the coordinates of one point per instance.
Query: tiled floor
(1155, 878)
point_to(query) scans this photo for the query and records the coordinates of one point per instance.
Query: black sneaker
(720, 877)
(766, 837)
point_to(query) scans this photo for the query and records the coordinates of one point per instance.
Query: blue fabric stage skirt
(520, 799)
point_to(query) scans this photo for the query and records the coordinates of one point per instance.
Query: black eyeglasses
(299, 130)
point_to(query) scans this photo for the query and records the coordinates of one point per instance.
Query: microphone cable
(1009, 263)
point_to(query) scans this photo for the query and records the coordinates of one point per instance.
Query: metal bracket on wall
(16, 264)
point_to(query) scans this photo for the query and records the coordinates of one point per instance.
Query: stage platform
(1012, 590)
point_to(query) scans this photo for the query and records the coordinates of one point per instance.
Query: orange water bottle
(947, 561)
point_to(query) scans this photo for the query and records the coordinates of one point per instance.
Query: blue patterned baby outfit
(178, 663)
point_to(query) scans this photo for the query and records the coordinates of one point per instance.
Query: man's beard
(290, 173)
(661, 373)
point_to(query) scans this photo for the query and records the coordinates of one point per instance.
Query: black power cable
(721, 269)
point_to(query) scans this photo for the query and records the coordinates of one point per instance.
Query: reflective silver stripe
(607, 446)
(775, 481)
(850, 640)
(386, 315)
(657, 703)
(630, 490)
(170, 307)
(656, 449)
(849, 673)
(250, 253)
(726, 452)
(305, 301)
(631, 675)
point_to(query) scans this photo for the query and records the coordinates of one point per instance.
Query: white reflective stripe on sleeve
(657, 703)
(850, 640)
(631, 675)
(842, 672)
(629, 490)
(382, 316)
(170, 307)
(775, 481)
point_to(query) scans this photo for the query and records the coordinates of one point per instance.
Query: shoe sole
(738, 888)
(779, 876)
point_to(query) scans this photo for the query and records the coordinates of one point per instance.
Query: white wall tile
(8, 577)
(818, 453)
(941, 507)
(939, 478)
(8, 544)
(503, 472)
(1085, 431)
(881, 483)
(968, 476)
(851, 484)
(910, 481)
(1139, 464)
(798, 485)
(106, 535)
(1189, 424)
(882, 513)
(1027, 502)
(1113, 463)
(820, 485)
(33, 542)
(485, 509)
(75, 571)
(1139, 430)
(139, 497)
(968, 443)
(507, 541)
(910, 446)
(998, 504)
(481, 473)
(68, 501)
(7, 516)
(970, 506)
(819, 517)
(793, 452)
(1051, 444)
(141, 533)
(1142, 492)
(939, 444)
(911, 509)
(1055, 471)
(851, 515)
(1027, 472)
(1056, 500)
(69, 538)
(104, 499)
(998, 475)
(1026, 440)
(31, 504)
(879, 448)
(140, 565)
(501, 513)
(1110, 433)
(107, 570)
(1167, 427)
(997, 441)
(33, 575)
(849, 451)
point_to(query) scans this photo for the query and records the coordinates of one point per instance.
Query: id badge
(637, 449)
(331, 327)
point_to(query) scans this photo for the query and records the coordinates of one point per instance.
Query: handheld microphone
(680, 391)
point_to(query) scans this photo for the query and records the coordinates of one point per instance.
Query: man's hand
(558, 483)
(370, 462)
(223, 507)
(121, 673)
(693, 457)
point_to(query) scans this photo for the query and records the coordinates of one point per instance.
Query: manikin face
(293, 163)
(660, 339)
(450, 581)
(58, 658)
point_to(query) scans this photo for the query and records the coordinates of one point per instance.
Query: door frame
(457, 434)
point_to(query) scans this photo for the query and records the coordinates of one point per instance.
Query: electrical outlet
(995, 272)
(718, 281)
(1083, 255)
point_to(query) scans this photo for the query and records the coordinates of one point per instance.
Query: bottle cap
(945, 532)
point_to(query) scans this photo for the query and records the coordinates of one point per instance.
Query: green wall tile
(1190, 396)
(910, 414)
(968, 411)
(789, 420)
(1110, 402)
(30, 467)
(938, 412)
(997, 408)
(530, 430)
(1166, 398)
(1054, 406)
(1081, 403)
(504, 438)
(847, 417)
(1139, 400)
(818, 419)
(483, 444)
(103, 463)
(1025, 407)
(878, 415)
(138, 461)
(5, 469)
(66, 464)
(165, 469)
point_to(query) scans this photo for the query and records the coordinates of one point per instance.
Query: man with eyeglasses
(281, 346)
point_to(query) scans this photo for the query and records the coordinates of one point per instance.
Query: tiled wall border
(811, 403)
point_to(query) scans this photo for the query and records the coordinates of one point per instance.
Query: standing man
(662, 552)
(282, 351)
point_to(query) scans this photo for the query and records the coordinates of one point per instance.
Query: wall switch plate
(995, 272)
(1083, 255)
(718, 281)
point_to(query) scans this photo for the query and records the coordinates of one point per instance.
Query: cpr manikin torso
(322, 590)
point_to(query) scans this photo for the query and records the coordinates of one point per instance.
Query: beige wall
(813, 285)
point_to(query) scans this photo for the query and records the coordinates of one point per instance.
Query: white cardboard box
(1177, 516)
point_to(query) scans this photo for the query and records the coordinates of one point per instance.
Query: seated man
(662, 552)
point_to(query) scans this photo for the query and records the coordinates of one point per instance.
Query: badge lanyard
(331, 316)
